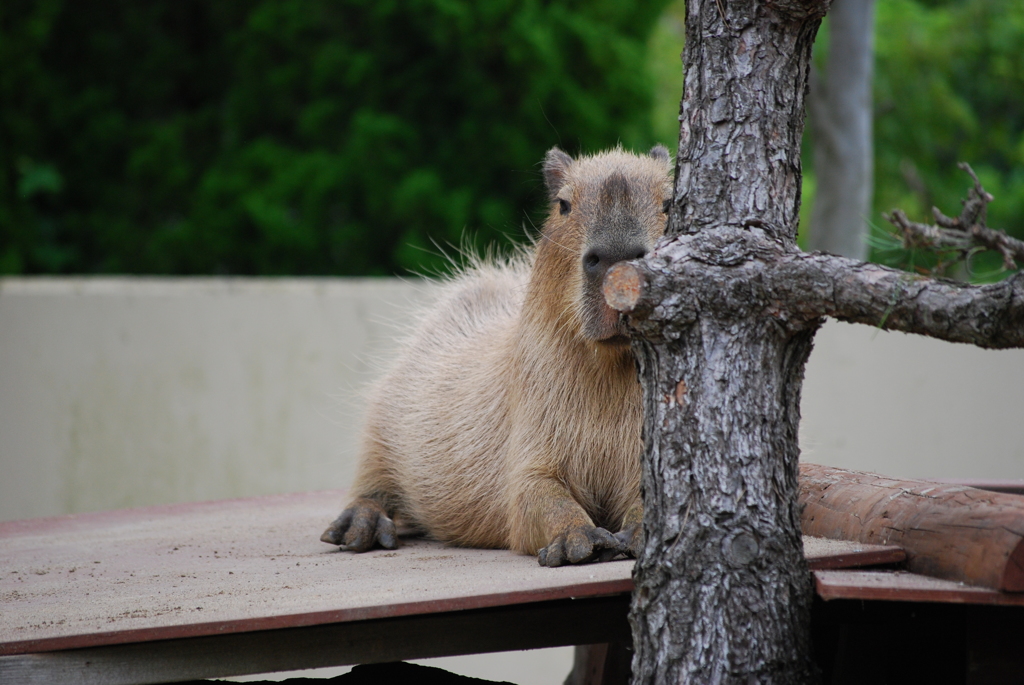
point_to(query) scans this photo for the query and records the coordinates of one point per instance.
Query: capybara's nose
(599, 259)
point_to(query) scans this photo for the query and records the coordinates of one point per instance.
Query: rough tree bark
(724, 312)
(839, 105)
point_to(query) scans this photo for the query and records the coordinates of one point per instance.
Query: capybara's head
(605, 209)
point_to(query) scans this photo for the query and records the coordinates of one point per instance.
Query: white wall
(913, 407)
(127, 392)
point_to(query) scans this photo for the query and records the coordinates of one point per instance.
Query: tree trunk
(723, 313)
(841, 118)
(723, 593)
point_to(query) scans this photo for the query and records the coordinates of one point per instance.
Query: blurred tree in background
(348, 137)
(298, 137)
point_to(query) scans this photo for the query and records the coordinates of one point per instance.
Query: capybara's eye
(666, 204)
(563, 206)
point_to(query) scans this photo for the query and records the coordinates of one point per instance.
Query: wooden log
(948, 531)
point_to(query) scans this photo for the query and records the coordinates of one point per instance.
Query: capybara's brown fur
(512, 416)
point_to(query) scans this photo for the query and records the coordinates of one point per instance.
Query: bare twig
(965, 234)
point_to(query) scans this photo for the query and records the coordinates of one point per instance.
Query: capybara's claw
(361, 527)
(335, 532)
(581, 545)
(632, 539)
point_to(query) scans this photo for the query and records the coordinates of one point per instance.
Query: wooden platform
(245, 586)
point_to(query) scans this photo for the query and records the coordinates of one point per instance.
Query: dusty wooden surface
(243, 565)
(903, 586)
(948, 531)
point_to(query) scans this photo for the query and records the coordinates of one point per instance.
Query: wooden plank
(948, 531)
(229, 567)
(529, 626)
(585, 621)
(244, 586)
(902, 586)
(238, 566)
(823, 553)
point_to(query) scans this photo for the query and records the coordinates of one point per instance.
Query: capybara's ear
(556, 166)
(659, 152)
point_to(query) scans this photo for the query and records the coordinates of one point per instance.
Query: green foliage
(351, 137)
(665, 50)
(949, 87)
(308, 137)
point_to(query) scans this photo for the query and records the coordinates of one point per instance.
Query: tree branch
(796, 289)
(964, 233)
(990, 316)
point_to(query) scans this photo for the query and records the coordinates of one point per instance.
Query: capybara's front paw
(632, 539)
(580, 545)
(361, 527)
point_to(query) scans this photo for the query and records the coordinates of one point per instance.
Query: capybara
(512, 415)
